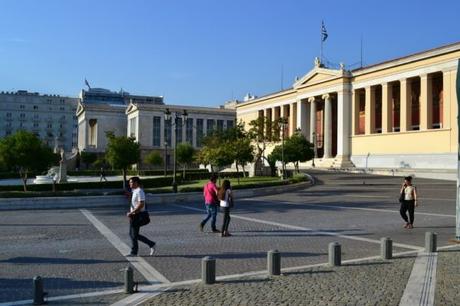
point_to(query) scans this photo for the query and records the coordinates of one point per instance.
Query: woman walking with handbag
(138, 217)
(408, 199)
(226, 203)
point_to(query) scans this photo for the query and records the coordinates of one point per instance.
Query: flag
(323, 32)
(86, 83)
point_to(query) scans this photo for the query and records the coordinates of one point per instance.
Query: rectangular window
(199, 132)
(132, 127)
(189, 131)
(179, 130)
(168, 132)
(229, 124)
(220, 125)
(210, 126)
(156, 141)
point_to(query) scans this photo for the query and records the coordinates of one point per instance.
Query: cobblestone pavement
(73, 257)
(366, 283)
(448, 278)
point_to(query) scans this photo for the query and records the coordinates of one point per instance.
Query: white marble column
(194, 133)
(292, 118)
(327, 126)
(312, 102)
(301, 117)
(343, 124)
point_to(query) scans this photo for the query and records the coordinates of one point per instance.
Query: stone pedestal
(62, 176)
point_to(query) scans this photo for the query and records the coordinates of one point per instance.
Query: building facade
(396, 114)
(146, 123)
(101, 111)
(50, 117)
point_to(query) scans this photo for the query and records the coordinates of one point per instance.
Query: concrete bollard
(386, 248)
(274, 262)
(208, 270)
(129, 280)
(335, 254)
(39, 295)
(430, 242)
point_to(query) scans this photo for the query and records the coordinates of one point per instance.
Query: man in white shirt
(137, 205)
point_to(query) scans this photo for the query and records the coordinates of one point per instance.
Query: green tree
(261, 132)
(122, 152)
(24, 152)
(185, 155)
(88, 158)
(297, 149)
(154, 159)
(273, 157)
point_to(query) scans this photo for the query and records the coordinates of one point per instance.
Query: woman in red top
(210, 201)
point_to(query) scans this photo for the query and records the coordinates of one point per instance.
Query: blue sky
(203, 52)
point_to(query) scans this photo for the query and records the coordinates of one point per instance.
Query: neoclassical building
(399, 113)
(146, 123)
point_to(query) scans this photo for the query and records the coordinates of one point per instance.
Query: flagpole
(321, 42)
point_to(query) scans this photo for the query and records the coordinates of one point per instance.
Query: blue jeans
(211, 210)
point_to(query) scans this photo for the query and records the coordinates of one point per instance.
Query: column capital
(326, 96)
(311, 99)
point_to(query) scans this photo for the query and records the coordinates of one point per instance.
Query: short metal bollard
(130, 285)
(430, 242)
(335, 254)
(274, 262)
(208, 270)
(39, 294)
(386, 248)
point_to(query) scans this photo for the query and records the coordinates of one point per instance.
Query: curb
(122, 201)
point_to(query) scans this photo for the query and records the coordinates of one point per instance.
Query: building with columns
(100, 111)
(146, 123)
(399, 113)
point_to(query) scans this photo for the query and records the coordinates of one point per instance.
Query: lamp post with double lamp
(313, 134)
(166, 158)
(175, 116)
(282, 122)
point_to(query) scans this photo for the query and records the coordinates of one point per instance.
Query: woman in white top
(226, 203)
(409, 202)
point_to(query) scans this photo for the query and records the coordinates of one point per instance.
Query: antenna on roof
(361, 55)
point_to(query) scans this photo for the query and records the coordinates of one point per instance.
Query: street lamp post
(314, 149)
(169, 116)
(166, 158)
(282, 124)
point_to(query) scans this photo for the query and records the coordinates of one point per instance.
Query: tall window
(92, 132)
(220, 125)
(229, 124)
(189, 131)
(210, 126)
(168, 132)
(132, 127)
(156, 133)
(179, 130)
(199, 132)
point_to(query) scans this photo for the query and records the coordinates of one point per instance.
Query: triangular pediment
(319, 75)
(131, 107)
(80, 108)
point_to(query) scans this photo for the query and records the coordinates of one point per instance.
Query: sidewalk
(374, 282)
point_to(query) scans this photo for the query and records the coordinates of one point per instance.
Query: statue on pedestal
(62, 177)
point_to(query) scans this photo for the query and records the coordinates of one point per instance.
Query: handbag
(402, 196)
(142, 218)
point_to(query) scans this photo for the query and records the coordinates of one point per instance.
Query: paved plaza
(81, 251)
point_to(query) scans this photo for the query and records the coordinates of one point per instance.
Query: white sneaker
(152, 250)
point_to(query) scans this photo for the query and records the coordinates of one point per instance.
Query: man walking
(210, 201)
(137, 206)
